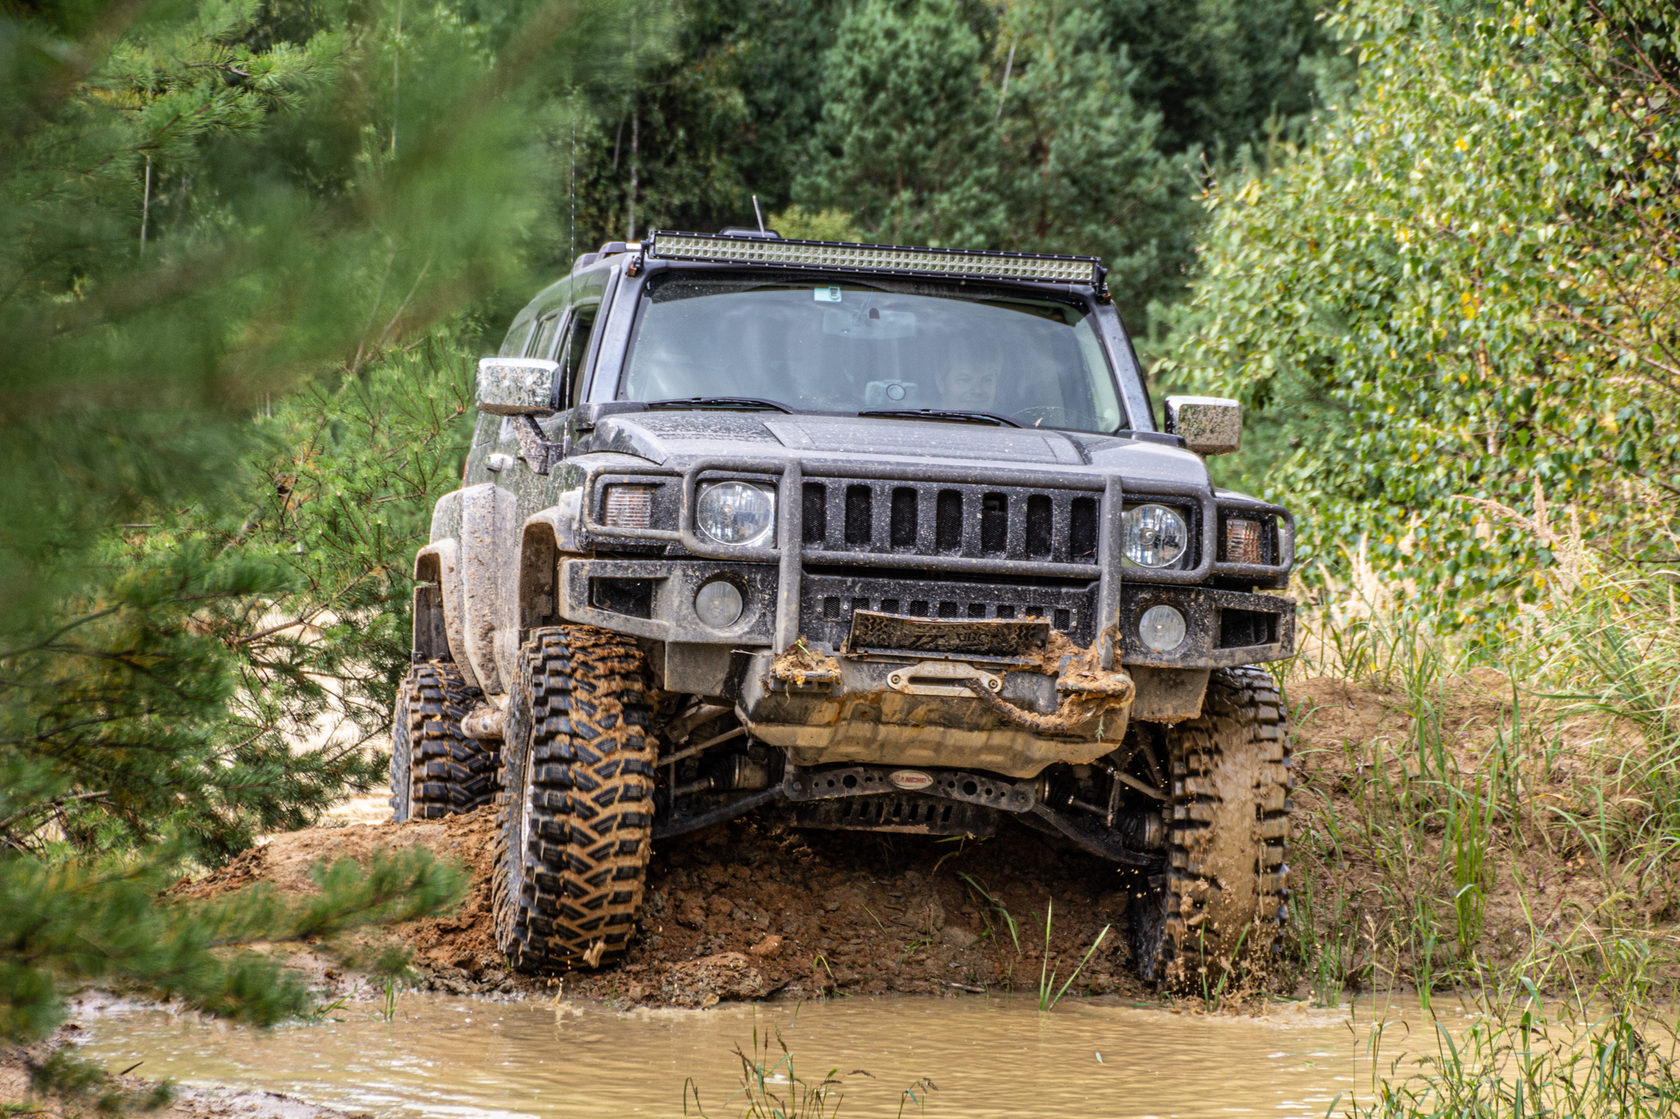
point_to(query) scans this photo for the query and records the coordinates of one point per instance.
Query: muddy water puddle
(447, 1056)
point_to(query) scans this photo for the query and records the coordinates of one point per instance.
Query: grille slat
(1061, 521)
(971, 525)
(834, 503)
(1016, 542)
(880, 530)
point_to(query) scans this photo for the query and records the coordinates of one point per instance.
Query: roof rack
(908, 260)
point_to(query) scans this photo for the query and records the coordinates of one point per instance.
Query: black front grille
(852, 516)
(828, 600)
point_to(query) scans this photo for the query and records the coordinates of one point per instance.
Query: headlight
(1153, 535)
(736, 513)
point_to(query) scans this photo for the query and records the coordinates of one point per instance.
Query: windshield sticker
(827, 295)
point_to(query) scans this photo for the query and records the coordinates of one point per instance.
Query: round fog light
(718, 604)
(1161, 628)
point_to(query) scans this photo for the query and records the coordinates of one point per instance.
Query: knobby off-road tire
(1222, 902)
(577, 817)
(435, 770)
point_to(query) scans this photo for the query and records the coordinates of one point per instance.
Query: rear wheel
(436, 770)
(1217, 907)
(577, 820)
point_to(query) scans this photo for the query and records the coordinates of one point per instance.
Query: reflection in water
(989, 1057)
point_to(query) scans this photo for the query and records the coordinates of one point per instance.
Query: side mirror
(1209, 425)
(516, 386)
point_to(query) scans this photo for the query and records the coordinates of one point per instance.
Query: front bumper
(654, 598)
(954, 546)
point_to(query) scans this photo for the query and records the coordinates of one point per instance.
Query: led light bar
(968, 264)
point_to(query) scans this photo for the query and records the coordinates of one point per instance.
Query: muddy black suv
(879, 538)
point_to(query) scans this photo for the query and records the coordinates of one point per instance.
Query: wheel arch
(439, 621)
(545, 537)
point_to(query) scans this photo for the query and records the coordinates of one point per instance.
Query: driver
(969, 381)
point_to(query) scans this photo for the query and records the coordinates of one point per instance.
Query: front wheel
(577, 820)
(1216, 909)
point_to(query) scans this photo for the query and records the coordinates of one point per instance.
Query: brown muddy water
(464, 1057)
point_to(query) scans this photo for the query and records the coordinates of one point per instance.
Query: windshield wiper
(744, 402)
(941, 414)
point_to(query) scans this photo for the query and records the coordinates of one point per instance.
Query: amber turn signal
(1245, 541)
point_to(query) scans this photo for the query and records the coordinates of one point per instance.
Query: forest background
(250, 250)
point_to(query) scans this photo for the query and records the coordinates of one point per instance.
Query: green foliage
(1036, 124)
(1082, 172)
(906, 141)
(772, 1089)
(1048, 993)
(945, 127)
(100, 921)
(1220, 72)
(166, 270)
(815, 225)
(1516, 1062)
(205, 204)
(716, 110)
(1452, 311)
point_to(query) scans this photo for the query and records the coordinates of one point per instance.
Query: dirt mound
(753, 908)
(1439, 834)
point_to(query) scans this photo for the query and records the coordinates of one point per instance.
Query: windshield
(859, 346)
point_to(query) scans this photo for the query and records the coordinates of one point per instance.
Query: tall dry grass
(1573, 772)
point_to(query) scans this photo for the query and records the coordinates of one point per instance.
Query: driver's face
(973, 390)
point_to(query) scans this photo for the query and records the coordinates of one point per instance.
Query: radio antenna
(757, 214)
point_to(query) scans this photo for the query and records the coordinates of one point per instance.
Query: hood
(670, 438)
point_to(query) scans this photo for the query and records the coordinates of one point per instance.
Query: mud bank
(754, 909)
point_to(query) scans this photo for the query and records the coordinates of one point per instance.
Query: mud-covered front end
(934, 607)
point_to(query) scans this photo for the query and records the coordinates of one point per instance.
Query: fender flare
(545, 537)
(438, 564)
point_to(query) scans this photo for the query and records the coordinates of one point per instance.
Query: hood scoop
(933, 439)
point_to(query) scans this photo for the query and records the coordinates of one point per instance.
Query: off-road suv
(880, 538)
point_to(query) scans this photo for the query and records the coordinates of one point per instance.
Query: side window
(543, 344)
(577, 348)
